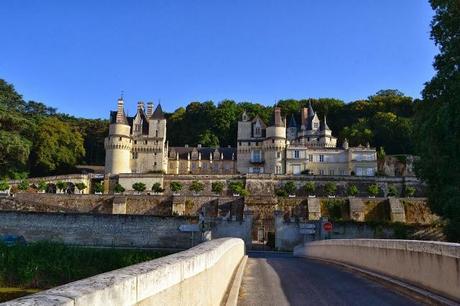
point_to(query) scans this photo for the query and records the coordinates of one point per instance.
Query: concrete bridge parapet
(427, 264)
(198, 276)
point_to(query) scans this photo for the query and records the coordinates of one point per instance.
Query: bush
(309, 188)
(81, 186)
(196, 187)
(330, 188)
(373, 190)
(157, 188)
(98, 187)
(23, 185)
(175, 186)
(60, 185)
(290, 187)
(281, 193)
(238, 188)
(334, 209)
(217, 187)
(139, 187)
(42, 185)
(352, 190)
(392, 191)
(4, 185)
(118, 188)
(409, 191)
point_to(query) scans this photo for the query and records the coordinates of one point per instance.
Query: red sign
(327, 226)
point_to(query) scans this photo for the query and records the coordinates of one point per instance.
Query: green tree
(309, 188)
(352, 190)
(24, 185)
(196, 187)
(330, 188)
(217, 187)
(208, 139)
(118, 188)
(42, 185)
(4, 185)
(98, 187)
(290, 187)
(373, 190)
(409, 191)
(57, 146)
(175, 186)
(81, 186)
(139, 186)
(157, 188)
(60, 185)
(437, 120)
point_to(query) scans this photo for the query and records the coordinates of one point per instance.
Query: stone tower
(275, 144)
(118, 144)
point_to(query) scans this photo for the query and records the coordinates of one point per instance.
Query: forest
(37, 140)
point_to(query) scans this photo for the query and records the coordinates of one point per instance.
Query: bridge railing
(198, 276)
(432, 265)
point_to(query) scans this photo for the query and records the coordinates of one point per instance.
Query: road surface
(280, 279)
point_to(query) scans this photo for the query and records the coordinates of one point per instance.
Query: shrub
(139, 187)
(373, 190)
(238, 187)
(175, 186)
(157, 188)
(4, 185)
(334, 209)
(217, 187)
(81, 186)
(98, 187)
(196, 186)
(409, 191)
(60, 185)
(42, 185)
(281, 192)
(352, 190)
(309, 188)
(118, 188)
(290, 187)
(392, 191)
(330, 188)
(23, 185)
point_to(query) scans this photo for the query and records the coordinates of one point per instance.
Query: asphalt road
(274, 279)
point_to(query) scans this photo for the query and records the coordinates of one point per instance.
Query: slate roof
(158, 113)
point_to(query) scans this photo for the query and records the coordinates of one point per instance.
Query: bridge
(326, 272)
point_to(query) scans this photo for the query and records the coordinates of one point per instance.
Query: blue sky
(79, 55)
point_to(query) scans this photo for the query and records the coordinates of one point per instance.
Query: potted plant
(98, 188)
(280, 192)
(217, 187)
(309, 188)
(373, 190)
(409, 191)
(290, 189)
(81, 186)
(60, 185)
(118, 188)
(175, 187)
(236, 188)
(392, 191)
(42, 186)
(4, 187)
(139, 187)
(330, 189)
(196, 187)
(352, 190)
(156, 188)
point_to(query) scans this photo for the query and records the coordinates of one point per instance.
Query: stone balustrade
(198, 276)
(427, 264)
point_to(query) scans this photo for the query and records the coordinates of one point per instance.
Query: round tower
(275, 144)
(118, 144)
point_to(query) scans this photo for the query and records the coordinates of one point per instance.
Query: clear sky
(79, 55)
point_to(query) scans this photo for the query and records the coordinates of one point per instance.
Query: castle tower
(118, 144)
(292, 129)
(157, 132)
(275, 144)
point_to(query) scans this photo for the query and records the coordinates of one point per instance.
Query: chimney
(303, 117)
(278, 120)
(186, 145)
(140, 105)
(120, 111)
(199, 145)
(149, 109)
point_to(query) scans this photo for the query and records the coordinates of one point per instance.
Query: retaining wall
(433, 265)
(198, 276)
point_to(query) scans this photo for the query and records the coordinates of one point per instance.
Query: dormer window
(316, 125)
(137, 128)
(257, 132)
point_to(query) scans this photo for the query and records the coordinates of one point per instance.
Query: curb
(401, 287)
(232, 298)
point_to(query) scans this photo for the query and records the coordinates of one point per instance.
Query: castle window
(156, 133)
(240, 143)
(310, 157)
(321, 172)
(278, 154)
(296, 154)
(155, 163)
(321, 158)
(257, 132)
(315, 125)
(121, 138)
(331, 172)
(273, 140)
(137, 127)
(134, 155)
(135, 141)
